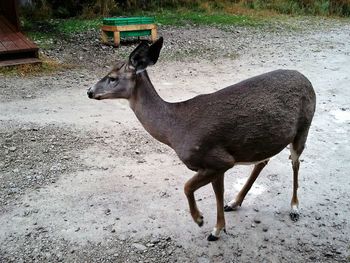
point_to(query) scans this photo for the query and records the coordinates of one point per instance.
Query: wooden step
(19, 61)
(15, 48)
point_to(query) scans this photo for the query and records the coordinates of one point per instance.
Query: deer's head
(120, 82)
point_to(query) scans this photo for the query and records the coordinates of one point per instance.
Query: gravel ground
(33, 156)
(81, 181)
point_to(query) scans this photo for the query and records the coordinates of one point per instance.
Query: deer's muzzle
(90, 93)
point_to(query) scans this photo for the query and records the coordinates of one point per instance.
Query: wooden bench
(117, 29)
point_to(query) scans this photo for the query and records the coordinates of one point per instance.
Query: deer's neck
(151, 110)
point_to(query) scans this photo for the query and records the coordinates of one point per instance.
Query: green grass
(44, 32)
(60, 26)
(75, 25)
(198, 18)
(53, 27)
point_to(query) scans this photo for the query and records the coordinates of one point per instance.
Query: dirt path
(81, 181)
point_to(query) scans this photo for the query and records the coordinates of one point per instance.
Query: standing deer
(246, 123)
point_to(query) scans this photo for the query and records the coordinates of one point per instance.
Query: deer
(246, 123)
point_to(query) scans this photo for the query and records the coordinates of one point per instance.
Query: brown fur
(247, 122)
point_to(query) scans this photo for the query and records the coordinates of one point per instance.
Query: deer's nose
(90, 93)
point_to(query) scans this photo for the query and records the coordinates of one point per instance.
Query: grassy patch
(48, 66)
(74, 25)
(179, 18)
(302, 7)
(54, 27)
(60, 26)
(44, 32)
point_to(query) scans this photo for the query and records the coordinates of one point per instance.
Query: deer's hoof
(211, 237)
(230, 208)
(294, 215)
(215, 234)
(200, 221)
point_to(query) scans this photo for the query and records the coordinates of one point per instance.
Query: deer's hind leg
(296, 149)
(235, 203)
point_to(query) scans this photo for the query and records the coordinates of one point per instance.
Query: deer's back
(251, 120)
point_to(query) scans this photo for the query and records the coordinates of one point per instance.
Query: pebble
(13, 148)
(139, 246)
(328, 254)
(203, 260)
(122, 238)
(164, 194)
(257, 221)
(155, 240)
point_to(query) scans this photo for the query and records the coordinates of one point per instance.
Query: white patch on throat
(140, 71)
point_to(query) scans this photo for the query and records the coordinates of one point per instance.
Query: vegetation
(47, 66)
(44, 30)
(45, 20)
(179, 18)
(305, 7)
(95, 8)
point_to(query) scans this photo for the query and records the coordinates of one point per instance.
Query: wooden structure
(15, 48)
(128, 28)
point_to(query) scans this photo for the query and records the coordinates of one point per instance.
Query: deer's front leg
(218, 186)
(197, 181)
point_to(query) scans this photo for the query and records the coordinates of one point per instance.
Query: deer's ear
(145, 55)
(138, 58)
(154, 51)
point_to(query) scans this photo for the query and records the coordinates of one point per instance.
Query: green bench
(128, 27)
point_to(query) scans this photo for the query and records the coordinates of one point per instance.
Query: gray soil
(81, 181)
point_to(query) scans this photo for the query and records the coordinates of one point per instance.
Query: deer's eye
(112, 79)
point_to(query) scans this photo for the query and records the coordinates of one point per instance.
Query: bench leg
(116, 38)
(104, 37)
(154, 35)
